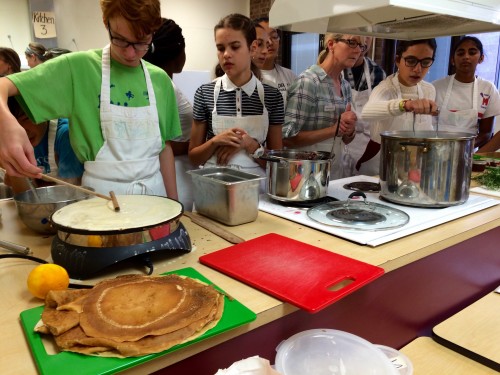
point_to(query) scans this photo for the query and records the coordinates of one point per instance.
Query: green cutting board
(235, 314)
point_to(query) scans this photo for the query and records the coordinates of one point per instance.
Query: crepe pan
(83, 251)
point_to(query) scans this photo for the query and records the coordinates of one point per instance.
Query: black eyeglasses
(353, 44)
(122, 43)
(412, 62)
(274, 36)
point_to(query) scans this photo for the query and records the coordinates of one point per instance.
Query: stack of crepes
(131, 315)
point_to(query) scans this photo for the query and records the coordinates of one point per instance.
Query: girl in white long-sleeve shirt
(403, 101)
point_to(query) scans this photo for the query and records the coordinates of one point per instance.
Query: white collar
(248, 87)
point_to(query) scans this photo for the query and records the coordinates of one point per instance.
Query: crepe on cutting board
(131, 315)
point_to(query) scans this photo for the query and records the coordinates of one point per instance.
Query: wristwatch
(259, 152)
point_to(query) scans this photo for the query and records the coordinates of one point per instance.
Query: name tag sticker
(329, 107)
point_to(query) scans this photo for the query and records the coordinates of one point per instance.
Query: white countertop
(420, 218)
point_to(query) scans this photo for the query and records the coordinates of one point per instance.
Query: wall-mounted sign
(44, 24)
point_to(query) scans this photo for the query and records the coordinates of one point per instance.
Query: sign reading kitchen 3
(44, 24)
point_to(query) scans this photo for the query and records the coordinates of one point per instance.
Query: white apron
(256, 126)
(460, 120)
(128, 162)
(354, 150)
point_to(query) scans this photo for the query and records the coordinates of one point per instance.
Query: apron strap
(218, 84)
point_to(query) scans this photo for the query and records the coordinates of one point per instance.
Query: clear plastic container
(330, 352)
(400, 361)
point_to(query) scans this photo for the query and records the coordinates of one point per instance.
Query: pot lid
(358, 215)
(96, 215)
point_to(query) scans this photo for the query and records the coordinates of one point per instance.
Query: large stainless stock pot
(426, 168)
(297, 176)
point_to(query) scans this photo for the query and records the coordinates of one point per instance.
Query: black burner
(365, 186)
(355, 215)
(306, 204)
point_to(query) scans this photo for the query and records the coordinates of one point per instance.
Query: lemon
(46, 277)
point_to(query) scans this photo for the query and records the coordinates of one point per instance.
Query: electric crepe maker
(91, 236)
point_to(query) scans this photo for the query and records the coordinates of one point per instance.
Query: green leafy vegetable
(490, 178)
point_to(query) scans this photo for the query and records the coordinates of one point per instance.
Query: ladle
(332, 154)
(408, 189)
(437, 123)
(32, 187)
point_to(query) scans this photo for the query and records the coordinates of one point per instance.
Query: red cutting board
(293, 271)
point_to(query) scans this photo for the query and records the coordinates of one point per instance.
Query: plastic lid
(400, 361)
(328, 352)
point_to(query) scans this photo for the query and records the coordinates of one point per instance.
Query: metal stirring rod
(32, 186)
(15, 248)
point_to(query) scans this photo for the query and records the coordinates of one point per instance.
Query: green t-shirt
(70, 87)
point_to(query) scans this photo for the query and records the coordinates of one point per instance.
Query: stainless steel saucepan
(294, 175)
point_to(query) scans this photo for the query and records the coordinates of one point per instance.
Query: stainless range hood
(389, 19)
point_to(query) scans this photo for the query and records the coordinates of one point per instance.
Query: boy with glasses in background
(271, 73)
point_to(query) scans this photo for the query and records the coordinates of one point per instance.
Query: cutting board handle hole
(49, 344)
(341, 284)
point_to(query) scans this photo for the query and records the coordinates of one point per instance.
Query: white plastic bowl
(400, 361)
(330, 352)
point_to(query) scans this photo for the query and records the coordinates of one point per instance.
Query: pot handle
(276, 159)
(424, 145)
(355, 194)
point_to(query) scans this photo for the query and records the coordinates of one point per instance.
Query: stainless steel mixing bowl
(36, 207)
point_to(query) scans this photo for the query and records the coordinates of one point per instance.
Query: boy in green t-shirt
(122, 111)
